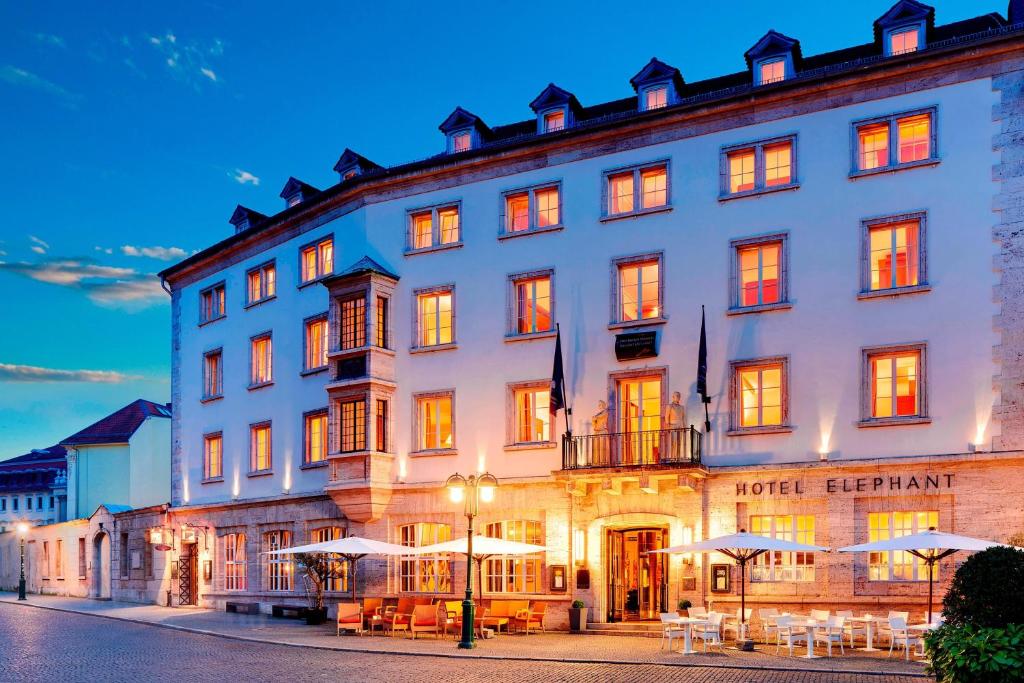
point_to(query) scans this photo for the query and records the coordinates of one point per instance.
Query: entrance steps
(649, 629)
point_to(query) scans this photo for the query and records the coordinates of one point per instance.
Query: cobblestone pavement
(93, 649)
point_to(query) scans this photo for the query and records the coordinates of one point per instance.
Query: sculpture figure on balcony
(675, 421)
(599, 424)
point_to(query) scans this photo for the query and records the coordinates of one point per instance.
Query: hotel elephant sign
(877, 484)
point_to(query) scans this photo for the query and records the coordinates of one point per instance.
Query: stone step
(651, 629)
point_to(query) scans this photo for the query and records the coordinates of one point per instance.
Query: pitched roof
(363, 265)
(243, 213)
(294, 185)
(44, 458)
(462, 118)
(553, 96)
(350, 159)
(657, 70)
(119, 426)
(771, 44)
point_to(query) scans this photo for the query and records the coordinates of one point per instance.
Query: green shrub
(578, 604)
(986, 590)
(684, 605)
(973, 654)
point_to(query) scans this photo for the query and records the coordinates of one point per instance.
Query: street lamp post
(480, 488)
(22, 532)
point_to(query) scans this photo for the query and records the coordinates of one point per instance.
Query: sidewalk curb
(456, 655)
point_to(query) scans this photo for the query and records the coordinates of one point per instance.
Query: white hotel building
(851, 224)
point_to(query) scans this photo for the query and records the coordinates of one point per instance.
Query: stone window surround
(270, 449)
(758, 146)
(636, 169)
(316, 245)
(416, 294)
(781, 238)
(869, 352)
(435, 227)
(503, 229)
(335, 444)
(246, 303)
(614, 321)
(207, 398)
(416, 398)
(891, 120)
(614, 377)
(266, 334)
(512, 304)
(305, 344)
(921, 217)
(734, 396)
(511, 415)
(205, 290)
(316, 412)
(220, 478)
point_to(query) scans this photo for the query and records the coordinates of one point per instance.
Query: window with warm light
(532, 414)
(639, 290)
(778, 164)
(554, 121)
(337, 581)
(895, 382)
(759, 394)
(894, 254)
(656, 98)
(381, 416)
(234, 562)
(352, 425)
(317, 260)
(898, 565)
(461, 142)
(435, 318)
(535, 208)
(261, 361)
(435, 423)
(314, 437)
(741, 171)
(515, 573)
(758, 167)
(517, 212)
(353, 322)
(895, 141)
(434, 227)
(901, 42)
(279, 568)
(772, 71)
(759, 273)
(636, 190)
(259, 448)
(213, 456)
(211, 303)
(262, 283)
(424, 573)
(383, 322)
(316, 343)
(213, 374)
(778, 565)
(532, 304)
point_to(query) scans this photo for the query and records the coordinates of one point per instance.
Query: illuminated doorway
(637, 580)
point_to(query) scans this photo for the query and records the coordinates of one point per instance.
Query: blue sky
(131, 130)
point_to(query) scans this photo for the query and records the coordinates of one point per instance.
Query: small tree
(317, 569)
(986, 590)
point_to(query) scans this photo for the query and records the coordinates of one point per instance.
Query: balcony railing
(680, 446)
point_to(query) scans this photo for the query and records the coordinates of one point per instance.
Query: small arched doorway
(101, 566)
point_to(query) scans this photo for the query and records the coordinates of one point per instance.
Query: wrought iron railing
(680, 446)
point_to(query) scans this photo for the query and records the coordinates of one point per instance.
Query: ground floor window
(778, 565)
(425, 573)
(514, 573)
(279, 567)
(898, 565)
(338, 581)
(234, 562)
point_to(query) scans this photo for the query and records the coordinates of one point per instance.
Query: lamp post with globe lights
(22, 533)
(471, 490)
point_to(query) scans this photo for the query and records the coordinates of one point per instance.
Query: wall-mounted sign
(582, 579)
(720, 578)
(636, 345)
(916, 483)
(188, 535)
(136, 559)
(558, 579)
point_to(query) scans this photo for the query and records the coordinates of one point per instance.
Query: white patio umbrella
(484, 547)
(351, 548)
(742, 547)
(931, 546)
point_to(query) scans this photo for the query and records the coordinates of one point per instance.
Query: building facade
(33, 488)
(833, 216)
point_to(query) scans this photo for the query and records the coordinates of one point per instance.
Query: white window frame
(920, 571)
(254, 382)
(208, 475)
(514, 426)
(253, 458)
(616, 298)
(235, 561)
(735, 295)
(264, 270)
(511, 573)
(307, 348)
(891, 121)
(307, 437)
(868, 354)
(419, 435)
(414, 572)
(318, 247)
(760, 171)
(512, 316)
(736, 427)
(435, 211)
(772, 566)
(893, 221)
(637, 170)
(505, 230)
(417, 298)
(280, 570)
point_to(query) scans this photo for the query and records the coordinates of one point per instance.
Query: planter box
(578, 619)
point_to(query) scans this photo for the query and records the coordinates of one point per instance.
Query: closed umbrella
(931, 546)
(742, 548)
(484, 547)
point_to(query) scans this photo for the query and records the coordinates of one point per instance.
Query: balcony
(657, 447)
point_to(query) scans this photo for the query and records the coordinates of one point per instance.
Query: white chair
(731, 622)
(788, 634)
(885, 628)
(821, 615)
(670, 629)
(832, 632)
(711, 631)
(697, 612)
(852, 628)
(767, 617)
(899, 635)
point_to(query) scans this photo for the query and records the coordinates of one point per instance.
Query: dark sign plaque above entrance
(636, 345)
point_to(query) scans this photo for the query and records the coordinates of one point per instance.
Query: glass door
(639, 415)
(637, 581)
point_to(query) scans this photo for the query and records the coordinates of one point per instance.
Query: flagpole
(565, 409)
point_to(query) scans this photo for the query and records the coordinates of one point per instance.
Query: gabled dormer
(905, 27)
(244, 218)
(774, 58)
(657, 85)
(556, 109)
(463, 131)
(350, 164)
(295, 192)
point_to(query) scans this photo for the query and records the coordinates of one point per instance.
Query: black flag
(557, 377)
(702, 372)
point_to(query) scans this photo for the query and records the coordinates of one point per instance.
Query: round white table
(811, 625)
(687, 623)
(868, 621)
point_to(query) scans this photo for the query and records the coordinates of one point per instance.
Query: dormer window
(556, 109)
(350, 165)
(349, 175)
(774, 58)
(904, 27)
(463, 131)
(903, 41)
(656, 97)
(773, 71)
(461, 142)
(554, 121)
(295, 192)
(657, 85)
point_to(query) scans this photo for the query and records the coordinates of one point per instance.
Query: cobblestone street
(45, 645)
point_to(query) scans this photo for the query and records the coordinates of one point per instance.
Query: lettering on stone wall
(916, 483)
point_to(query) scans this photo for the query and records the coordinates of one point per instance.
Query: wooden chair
(480, 617)
(532, 616)
(350, 617)
(424, 619)
(452, 616)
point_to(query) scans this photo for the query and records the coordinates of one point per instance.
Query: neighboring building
(333, 363)
(33, 488)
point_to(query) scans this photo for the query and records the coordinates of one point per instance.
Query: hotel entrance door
(637, 581)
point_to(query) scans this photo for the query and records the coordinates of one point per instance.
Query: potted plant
(317, 569)
(682, 607)
(578, 616)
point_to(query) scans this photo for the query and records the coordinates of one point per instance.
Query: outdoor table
(811, 625)
(688, 623)
(922, 629)
(375, 621)
(868, 622)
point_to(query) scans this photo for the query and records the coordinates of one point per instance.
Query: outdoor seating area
(413, 616)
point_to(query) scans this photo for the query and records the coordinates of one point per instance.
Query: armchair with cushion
(501, 612)
(424, 619)
(533, 617)
(350, 617)
(373, 613)
(396, 617)
(480, 616)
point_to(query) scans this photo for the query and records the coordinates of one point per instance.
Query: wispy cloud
(32, 373)
(27, 79)
(208, 73)
(38, 245)
(244, 177)
(49, 39)
(161, 253)
(104, 250)
(187, 60)
(105, 285)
